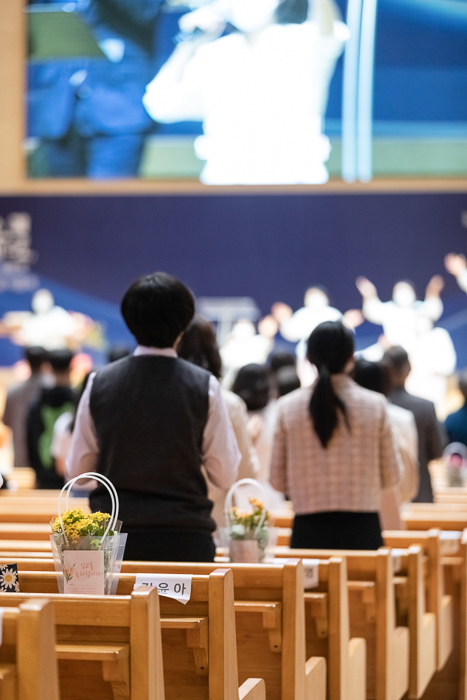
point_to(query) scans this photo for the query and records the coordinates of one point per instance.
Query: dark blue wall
(267, 247)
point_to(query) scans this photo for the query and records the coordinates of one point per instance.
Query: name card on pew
(449, 542)
(168, 585)
(396, 560)
(310, 571)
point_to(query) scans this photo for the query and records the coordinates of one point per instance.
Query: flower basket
(87, 548)
(246, 534)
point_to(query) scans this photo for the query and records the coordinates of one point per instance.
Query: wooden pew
(26, 548)
(107, 646)
(450, 683)
(198, 639)
(437, 601)
(28, 666)
(269, 621)
(372, 595)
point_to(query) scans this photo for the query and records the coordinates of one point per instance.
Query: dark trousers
(170, 545)
(337, 530)
(97, 156)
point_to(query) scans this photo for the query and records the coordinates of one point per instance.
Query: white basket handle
(229, 497)
(105, 482)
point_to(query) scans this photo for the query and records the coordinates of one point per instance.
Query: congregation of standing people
(347, 449)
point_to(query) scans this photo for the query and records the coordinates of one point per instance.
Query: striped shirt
(359, 462)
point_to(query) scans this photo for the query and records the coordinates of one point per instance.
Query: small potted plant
(247, 530)
(87, 547)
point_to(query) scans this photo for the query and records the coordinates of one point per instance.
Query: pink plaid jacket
(356, 466)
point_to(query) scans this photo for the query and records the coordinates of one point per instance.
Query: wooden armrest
(257, 606)
(183, 623)
(252, 689)
(315, 678)
(92, 652)
(7, 671)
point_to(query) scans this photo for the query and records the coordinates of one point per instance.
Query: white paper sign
(311, 569)
(396, 560)
(168, 585)
(83, 572)
(450, 541)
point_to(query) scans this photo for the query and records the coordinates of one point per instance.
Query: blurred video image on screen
(251, 92)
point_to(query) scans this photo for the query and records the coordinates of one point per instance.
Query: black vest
(150, 413)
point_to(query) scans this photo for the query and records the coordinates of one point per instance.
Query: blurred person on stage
(87, 112)
(456, 423)
(399, 316)
(261, 90)
(51, 403)
(334, 451)
(18, 403)
(199, 346)
(430, 435)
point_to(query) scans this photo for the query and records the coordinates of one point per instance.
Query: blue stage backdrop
(264, 246)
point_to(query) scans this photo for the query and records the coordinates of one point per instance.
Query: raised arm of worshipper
(373, 307)
(433, 306)
(175, 92)
(324, 13)
(456, 265)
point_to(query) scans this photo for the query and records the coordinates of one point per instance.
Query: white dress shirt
(220, 453)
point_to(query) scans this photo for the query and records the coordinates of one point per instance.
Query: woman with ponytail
(333, 450)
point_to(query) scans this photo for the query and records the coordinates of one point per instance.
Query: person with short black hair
(18, 402)
(44, 412)
(333, 450)
(456, 423)
(430, 437)
(287, 381)
(149, 422)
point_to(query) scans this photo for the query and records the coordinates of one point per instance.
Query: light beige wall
(12, 91)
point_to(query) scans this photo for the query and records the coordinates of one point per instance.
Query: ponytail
(323, 407)
(330, 347)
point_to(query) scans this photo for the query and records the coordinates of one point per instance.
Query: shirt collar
(164, 352)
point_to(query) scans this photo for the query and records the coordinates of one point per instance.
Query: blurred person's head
(117, 352)
(251, 16)
(287, 381)
(280, 359)
(253, 386)
(372, 375)
(60, 361)
(268, 327)
(157, 309)
(397, 361)
(281, 311)
(35, 357)
(199, 346)
(330, 348)
(243, 329)
(404, 294)
(316, 298)
(42, 301)
(462, 383)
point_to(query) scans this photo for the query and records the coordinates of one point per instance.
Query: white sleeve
(462, 280)
(175, 94)
(221, 455)
(373, 310)
(84, 449)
